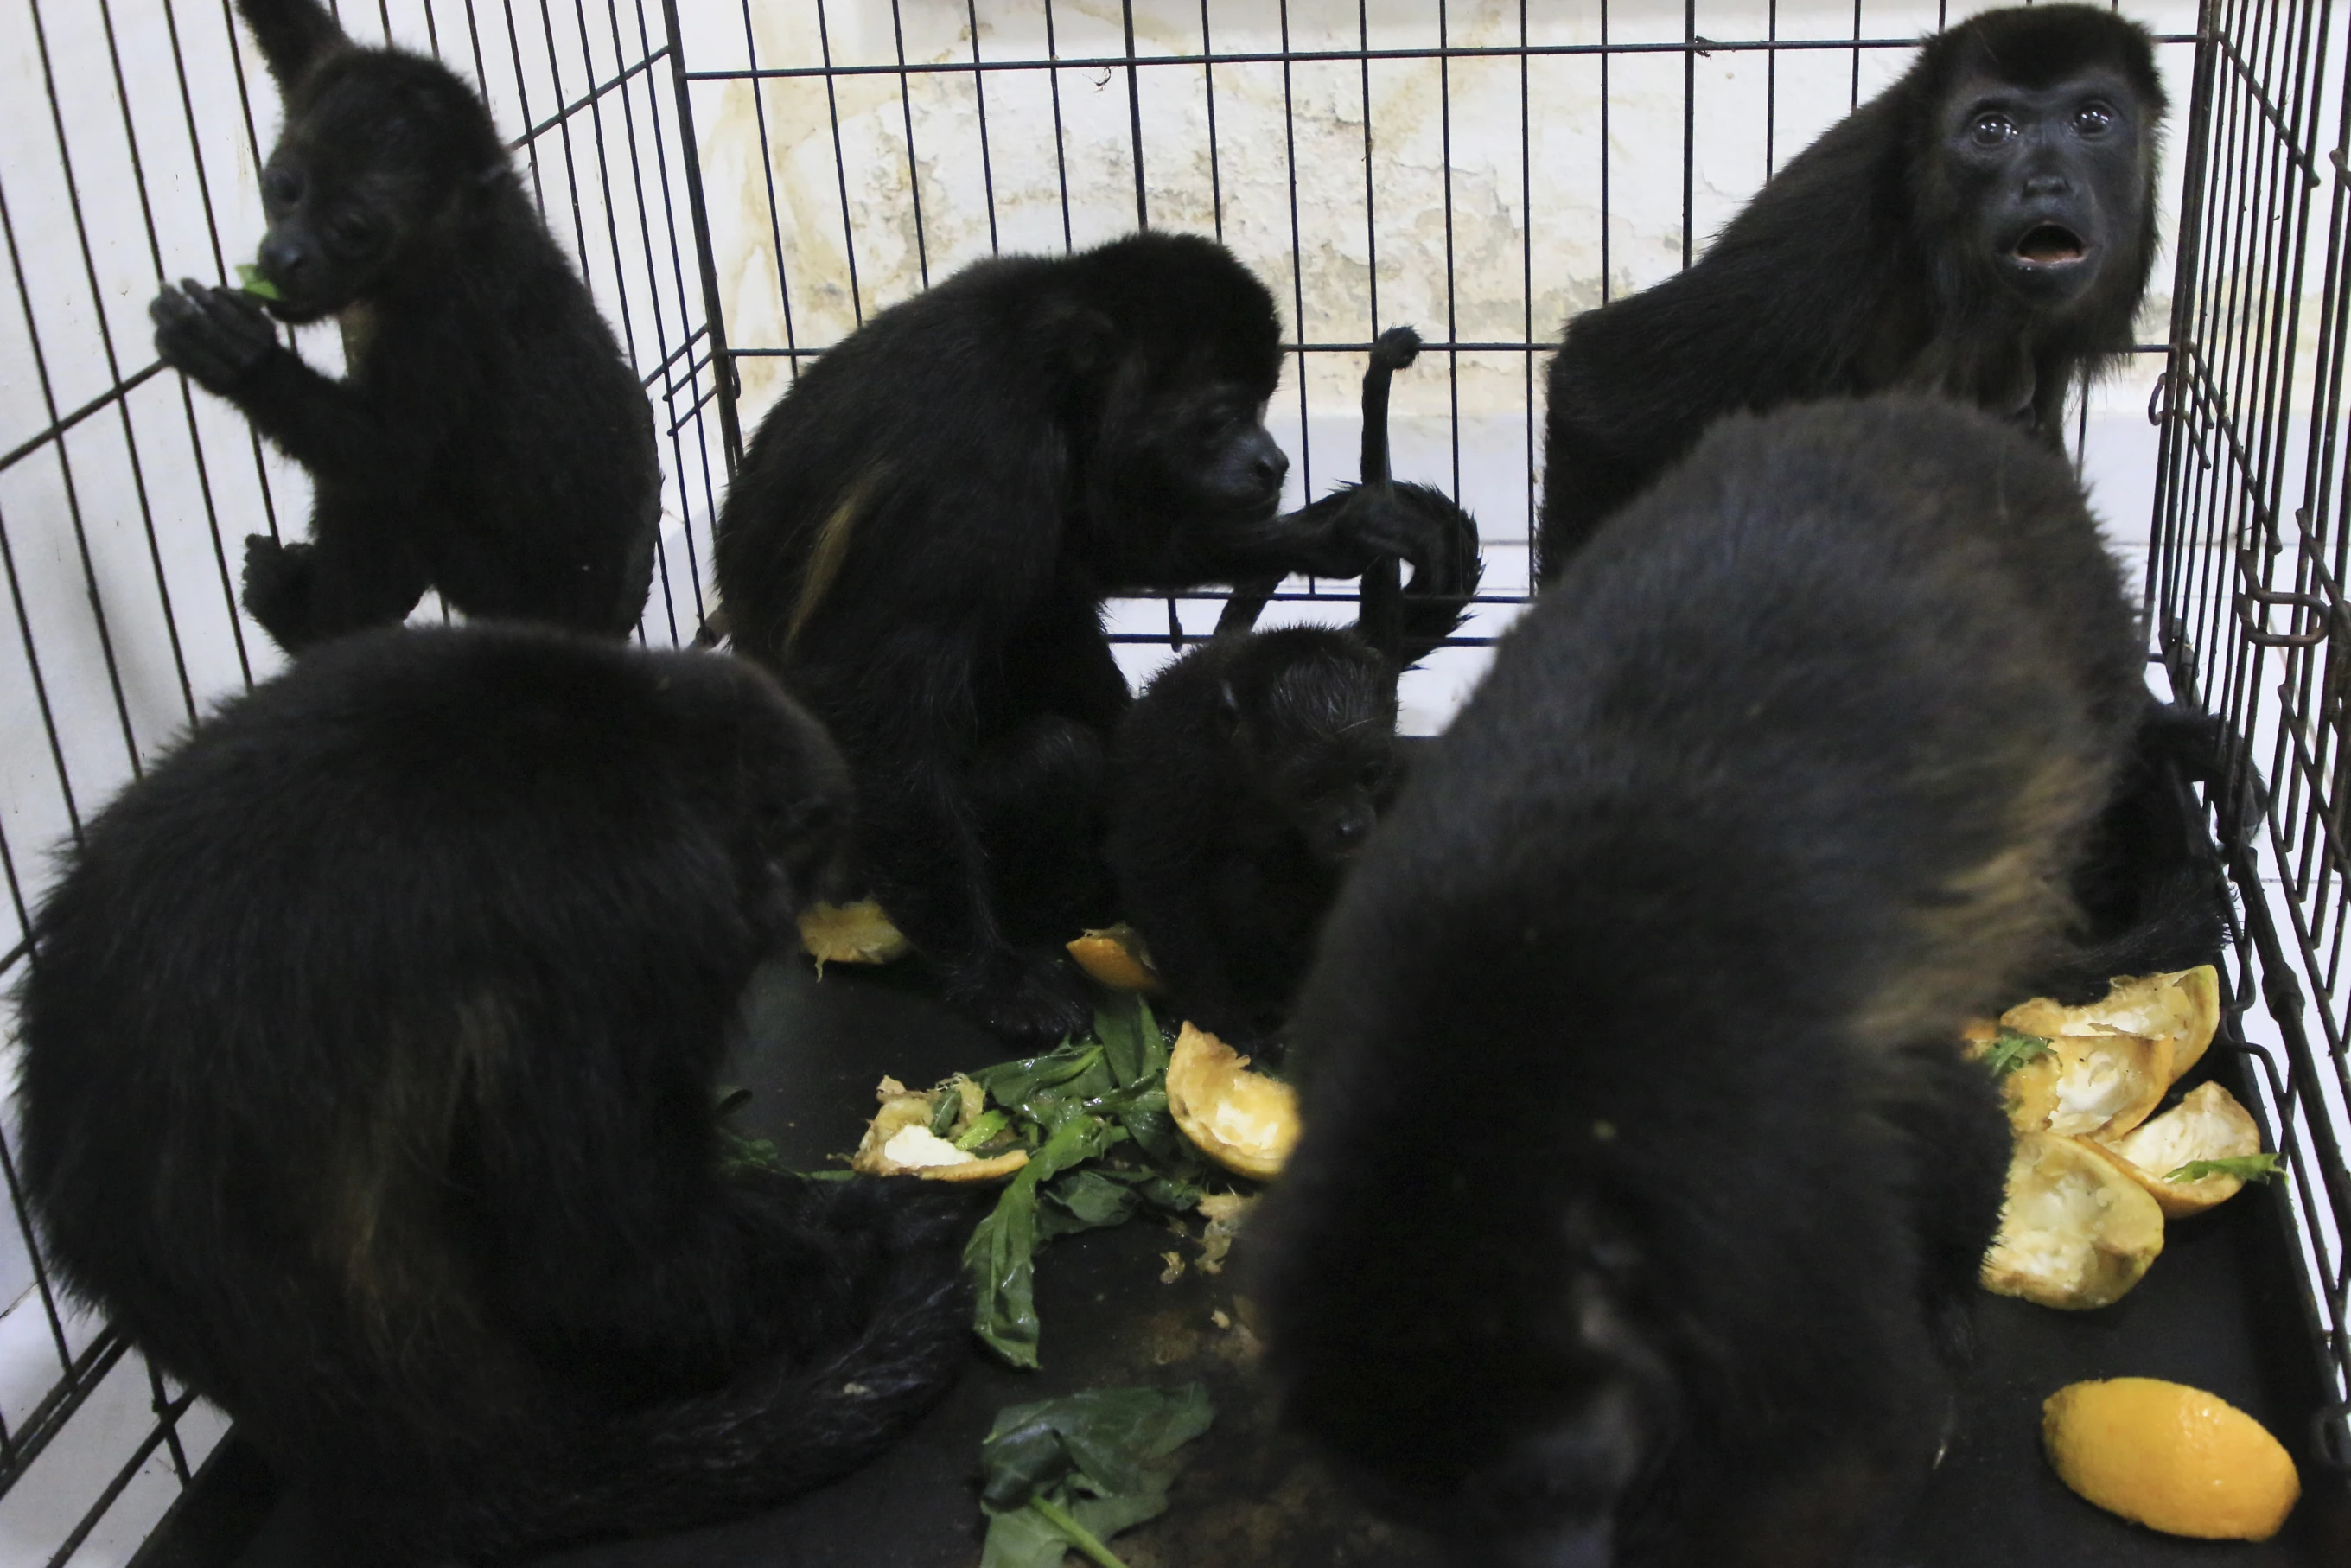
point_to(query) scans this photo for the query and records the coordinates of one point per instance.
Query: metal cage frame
(2252, 515)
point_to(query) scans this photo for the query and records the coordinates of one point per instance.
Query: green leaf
(1085, 1201)
(1117, 1440)
(1013, 1082)
(1023, 1538)
(944, 1115)
(1002, 1253)
(250, 278)
(1084, 1539)
(2248, 1168)
(1131, 1040)
(990, 1127)
(2011, 1049)
(737, 1154)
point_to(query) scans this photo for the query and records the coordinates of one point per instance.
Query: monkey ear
(294, 35)
(1228, 709)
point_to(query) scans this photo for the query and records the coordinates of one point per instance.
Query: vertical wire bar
(481, 67)
(41, 1280)
(625, 90)
(1297, 260)
(1854, 98)
(522, 107)
(49, 392)
(840, 164)
(979, 102)
(758, 91)
(1061, 137)
(563, 136)
(1452, 286)
(604, 185)
(167, 1420)
(1209, 86)
(1371, 206)
(1607, 287)
(724, 386)
(914, 164)
(1527, 277)
(40, 686)
(721, 367)
(1771, 87)
(1689, 123)
(1134, 114)
(122, 404)
(253, 149)
(187, 395)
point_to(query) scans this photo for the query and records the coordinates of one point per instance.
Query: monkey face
(1201, 450)
(1335, 806)
(376, 155)
(2051, 181)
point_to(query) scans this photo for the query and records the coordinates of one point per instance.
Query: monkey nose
(1269, 469)
(285, 262)
(2039, 187)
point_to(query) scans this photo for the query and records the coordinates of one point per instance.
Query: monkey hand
(1025, 999)
(1360, 524)
(277, 587)
(215, 337)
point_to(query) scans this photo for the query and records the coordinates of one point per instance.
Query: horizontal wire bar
(568, 110)
(50, 1417)
(1333, 57)
(98, 404)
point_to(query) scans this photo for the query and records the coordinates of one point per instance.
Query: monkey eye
(282, 186)
(1374, 772)
(1992, 129)
(2093, 119)
(351, 231)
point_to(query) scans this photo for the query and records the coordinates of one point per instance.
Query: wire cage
(745, 182)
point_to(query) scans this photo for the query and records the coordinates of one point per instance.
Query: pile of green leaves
(1067, 1474)
(1101, 1148)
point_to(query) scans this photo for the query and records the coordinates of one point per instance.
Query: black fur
(367, 1084)
(922, 536)
(489, 440)
(1404, 621)
(1246, 778)
(1642, 1188)
(1885, 256)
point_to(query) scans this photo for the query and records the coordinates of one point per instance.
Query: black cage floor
(2218, 1311)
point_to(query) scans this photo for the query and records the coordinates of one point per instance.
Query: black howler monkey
(922, 536)
(368, 1048)
(1252, 770)
(1982, 228)
(1244, 779)
(488, 439)
(1642, 1188)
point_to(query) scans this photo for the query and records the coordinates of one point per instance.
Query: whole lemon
(2174, 1458)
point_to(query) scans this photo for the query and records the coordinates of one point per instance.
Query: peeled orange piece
(849, 933)
(899, 1140)
(1244, 1121)
(1114, 956)
(2169, 1457)
(2207, 1124)
(2076, 1231)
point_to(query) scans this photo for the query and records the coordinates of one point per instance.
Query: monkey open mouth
(2050, 244)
